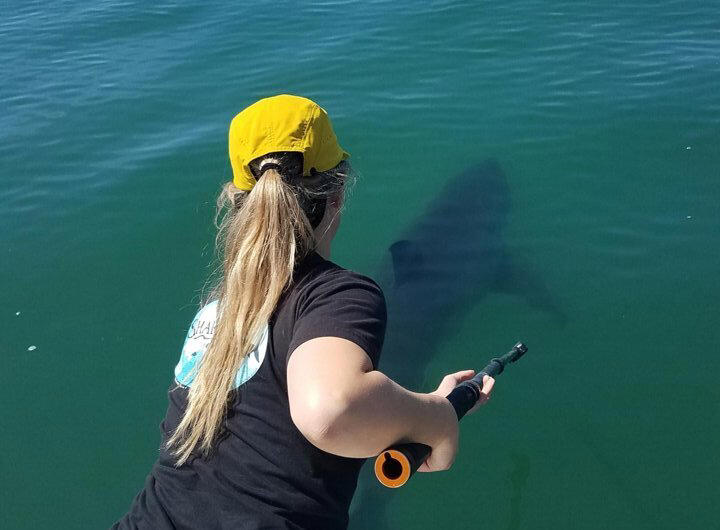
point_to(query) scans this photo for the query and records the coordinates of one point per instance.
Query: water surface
(604, 119)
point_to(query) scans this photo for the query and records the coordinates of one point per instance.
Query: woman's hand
(445, 448)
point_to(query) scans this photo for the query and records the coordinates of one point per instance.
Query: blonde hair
(262, 234)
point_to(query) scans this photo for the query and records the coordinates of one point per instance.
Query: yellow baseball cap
(282, 123)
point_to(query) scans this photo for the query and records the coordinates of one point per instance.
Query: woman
(277, 397)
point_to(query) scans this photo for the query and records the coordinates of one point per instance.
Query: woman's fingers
(463, 375)
(488, 383)
(450, 381)
(458, 377)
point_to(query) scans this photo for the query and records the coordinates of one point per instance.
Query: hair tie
(270, 165)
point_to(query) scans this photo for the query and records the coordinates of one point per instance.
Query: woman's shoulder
(339, 302)
(328, 275)
(332, 291)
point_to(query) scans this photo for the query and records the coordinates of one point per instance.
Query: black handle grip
(395, 465)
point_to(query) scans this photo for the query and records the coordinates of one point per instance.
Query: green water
(605, 119)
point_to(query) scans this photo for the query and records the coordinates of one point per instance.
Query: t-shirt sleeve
(348, 305)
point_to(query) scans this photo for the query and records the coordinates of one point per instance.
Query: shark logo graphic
(198, 339)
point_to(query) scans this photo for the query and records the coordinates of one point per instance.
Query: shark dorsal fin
(407, 260)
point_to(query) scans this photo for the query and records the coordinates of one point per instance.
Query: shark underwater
(444, 263)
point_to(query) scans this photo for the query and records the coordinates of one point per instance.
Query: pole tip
(518, 351)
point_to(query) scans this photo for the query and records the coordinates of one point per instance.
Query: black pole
(395, 465)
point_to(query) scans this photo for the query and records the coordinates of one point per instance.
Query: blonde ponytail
(264, 233)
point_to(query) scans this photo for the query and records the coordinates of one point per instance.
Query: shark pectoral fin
(519, 277)
(407, 260)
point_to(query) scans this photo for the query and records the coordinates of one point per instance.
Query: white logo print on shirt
(198, 338)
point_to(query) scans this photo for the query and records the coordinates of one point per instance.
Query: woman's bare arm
(343, 406)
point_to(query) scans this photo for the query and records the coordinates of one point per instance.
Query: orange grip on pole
(392, 468)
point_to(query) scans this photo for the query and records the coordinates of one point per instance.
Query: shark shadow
(444, 263)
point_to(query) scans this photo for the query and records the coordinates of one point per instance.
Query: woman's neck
(326, 230)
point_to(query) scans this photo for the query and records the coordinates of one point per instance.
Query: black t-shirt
(262, 472)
